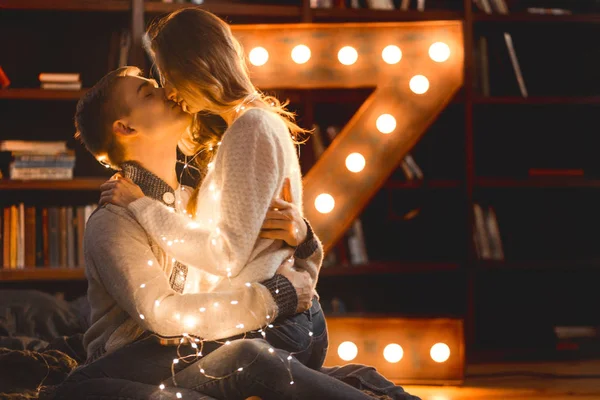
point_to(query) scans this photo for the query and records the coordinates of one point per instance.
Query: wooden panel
(349, 14)
(41, 94)
(413, 113)
(229, 9)
(42, 274)
(396, 267)
(74, 184)
(67, 5)
(416, 336)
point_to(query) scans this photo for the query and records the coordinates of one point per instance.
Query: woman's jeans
(304, 335)
(244, 368)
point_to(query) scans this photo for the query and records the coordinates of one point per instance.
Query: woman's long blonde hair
(197, 53)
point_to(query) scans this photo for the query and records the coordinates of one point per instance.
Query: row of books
(60, 81)
(42, 236)
(26, 160)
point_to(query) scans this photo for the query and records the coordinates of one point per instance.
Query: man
(137, 292)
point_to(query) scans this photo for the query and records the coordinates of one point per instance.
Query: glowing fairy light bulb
(391, 54)
(161, 386)
(386, 123)
(271, 350)
(347, 55)
(355, 162)
(189, 321)
(393, 353)
(419, 84)
(258, 56)
(439, 52)
(150, 263)
(175, 361)
(202, 309)
(347, 351)
(324, 203)
(178, 395)
(143, 285)
(301, 54)
(142, 316)
(157, 303)
(440, 352)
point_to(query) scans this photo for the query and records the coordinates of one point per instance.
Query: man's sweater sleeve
(248, 175)
(309, 254)
(122, 259)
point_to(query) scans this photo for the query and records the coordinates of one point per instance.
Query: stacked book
(60, 81)
(488, 242)
(38, 160)
(42, 236)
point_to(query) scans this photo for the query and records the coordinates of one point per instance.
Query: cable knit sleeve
(309, 254)
(248, 172)
(118, 253)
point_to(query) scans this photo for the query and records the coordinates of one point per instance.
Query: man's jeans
(134, 372)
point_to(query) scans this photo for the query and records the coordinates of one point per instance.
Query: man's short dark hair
(96, 111)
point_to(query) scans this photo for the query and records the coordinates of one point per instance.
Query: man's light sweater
(129, 290)
(255, 156)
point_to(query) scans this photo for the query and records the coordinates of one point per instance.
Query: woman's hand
(302, 283)
(120, 191)
(283, 220)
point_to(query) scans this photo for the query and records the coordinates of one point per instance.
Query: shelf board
(538, 182)
(92, 184)
(67, 5)
(388, 267)
(561, 100)
(41, 94)
(257, 10)
(42, 274)
(528, 17)
(423, 184)
(363, 15)
(539, 264)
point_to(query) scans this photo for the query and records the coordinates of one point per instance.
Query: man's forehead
(130, 83)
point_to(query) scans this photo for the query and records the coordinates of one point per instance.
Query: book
(484, 68)
(380, 4)
(33, 147)
(59, 77)
(515, 63)
(61, 86)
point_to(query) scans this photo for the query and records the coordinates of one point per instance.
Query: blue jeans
(135, 371)
(303, 335)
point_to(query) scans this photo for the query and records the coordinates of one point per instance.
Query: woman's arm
(247, 171)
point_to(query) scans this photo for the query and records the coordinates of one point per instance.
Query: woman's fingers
(282, 215)
(280, 204)
(108, 185)
(275, 234)
(276, 224)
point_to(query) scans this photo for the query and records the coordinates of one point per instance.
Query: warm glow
(355, 162)
(301, 54)
(324, 203)
(348, 55)
(347, 351)
(440, 352)
(386, 123)
(419, 84)
(392, 54)
(439, 52)
(393, 353)
(189, 321)
(258, 56)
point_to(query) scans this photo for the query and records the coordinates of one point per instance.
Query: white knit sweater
(255, 156)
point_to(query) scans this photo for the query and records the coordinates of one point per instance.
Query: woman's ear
(121, 127)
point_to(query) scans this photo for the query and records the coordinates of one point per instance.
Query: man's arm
(119, 253)
(309, 254)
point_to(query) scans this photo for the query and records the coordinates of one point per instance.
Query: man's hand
(301, 281)
(120, 191)
(283, 220)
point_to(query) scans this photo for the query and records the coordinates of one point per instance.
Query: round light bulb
(355, 162)
(439, 52)
(347, 351)
(324, 203)
(347, 55)
(386, 123)
(258, 56)
(300, 54)
(419, 84)
(440, 352)
(393, 353)
(392, 54)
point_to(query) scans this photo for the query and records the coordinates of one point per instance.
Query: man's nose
(171, 94)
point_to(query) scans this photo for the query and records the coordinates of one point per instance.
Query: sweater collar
(151, 185)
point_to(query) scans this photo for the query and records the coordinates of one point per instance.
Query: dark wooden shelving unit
(67, 5)
(42, 274)
(40, 94)
(78, 184)
(539, 265)
(539, 100)
(263, 10)
(538, 182)
(423, 184)
(364, 15)
(531, 18)
(388, 267)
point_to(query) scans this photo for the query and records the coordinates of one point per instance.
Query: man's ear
(121, 127)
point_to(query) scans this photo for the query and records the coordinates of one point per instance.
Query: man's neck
(160, 160)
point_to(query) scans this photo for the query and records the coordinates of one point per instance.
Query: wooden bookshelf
(67, 5)
(40, 94)
(82, 184)
(364, 15)
(538, 182)
(558, 100)
(539, 264)
(388, 267)
(423, 184)
(42, 274)
(531, 18)
(263, 10)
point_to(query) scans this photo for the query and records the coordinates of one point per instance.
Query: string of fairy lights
(324, 203)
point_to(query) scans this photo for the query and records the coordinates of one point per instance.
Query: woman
(255, 158)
